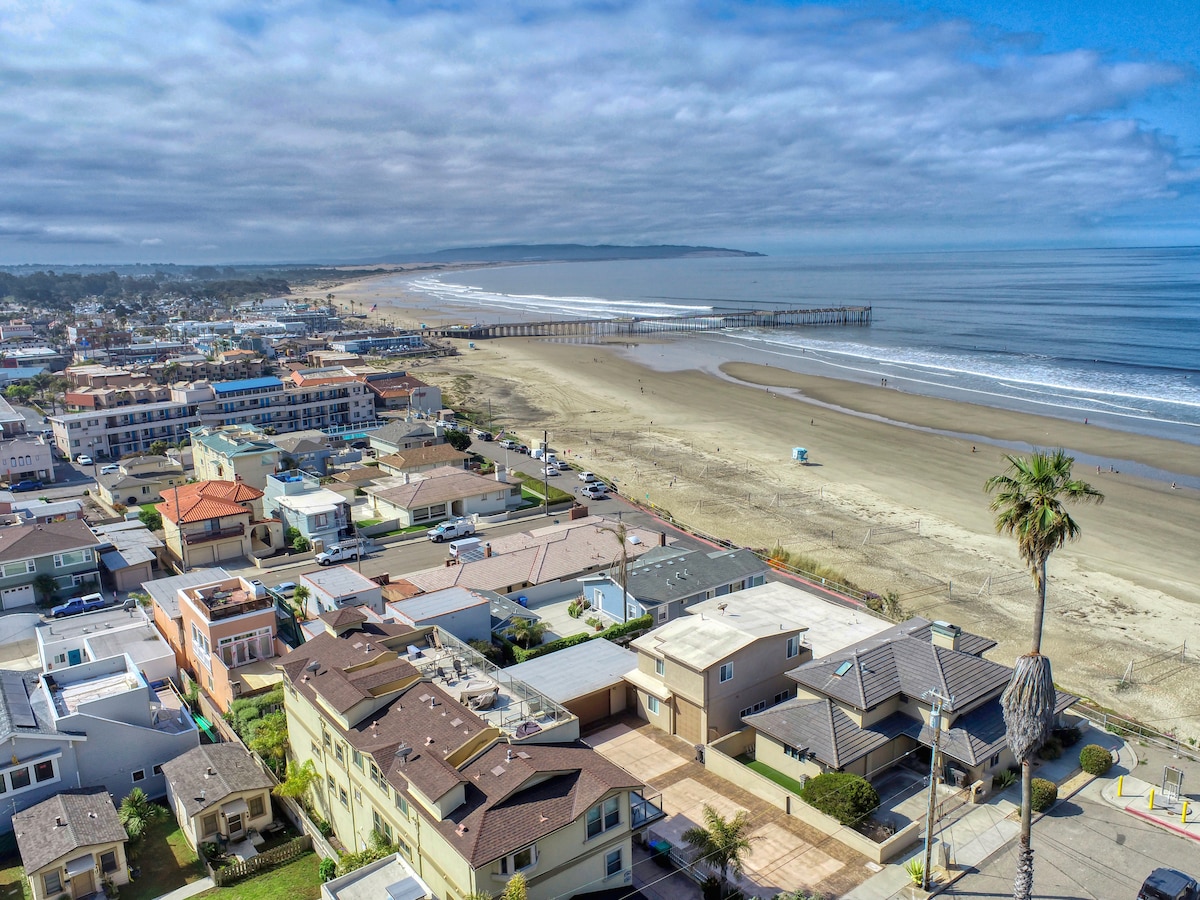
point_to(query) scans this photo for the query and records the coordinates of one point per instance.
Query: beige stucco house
(442, 493)
(218, 792)
(71, 843)
(142, 479)
(209, 522)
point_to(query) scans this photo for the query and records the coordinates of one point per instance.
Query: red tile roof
(206, 500)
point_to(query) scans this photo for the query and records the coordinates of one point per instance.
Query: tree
(151, 518)
(300, 600)
(516, 889)
(269, 738)
(46, 587)
(621, 532)
(459, 440)
(300, 778)
(527, 632)
(158, 448)
(721, 843)
(847, 797)
(137, 814)
(1028, 503)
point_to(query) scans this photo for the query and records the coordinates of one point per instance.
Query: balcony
(203, 537)
(644, 810)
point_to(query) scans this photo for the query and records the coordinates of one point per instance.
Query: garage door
(17, 596)
(687, 721)
(591, 708)
(201, 556)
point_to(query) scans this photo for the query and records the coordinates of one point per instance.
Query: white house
(441, 494)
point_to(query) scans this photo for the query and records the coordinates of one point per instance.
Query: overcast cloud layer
(202, 131)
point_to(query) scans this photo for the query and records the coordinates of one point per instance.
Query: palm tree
(721, 843)
(45, 586)
(527, 632)
(138, 813)
(621, 533)
(298, 781)
(300, 601)
(1028, 503)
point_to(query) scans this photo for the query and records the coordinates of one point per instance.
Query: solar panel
(16, 698)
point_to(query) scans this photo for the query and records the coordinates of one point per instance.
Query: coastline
(713, 447)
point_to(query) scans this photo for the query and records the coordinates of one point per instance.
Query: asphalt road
(1084, 849)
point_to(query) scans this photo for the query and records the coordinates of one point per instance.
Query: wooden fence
(239, 870)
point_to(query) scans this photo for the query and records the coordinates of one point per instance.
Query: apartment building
(229, 638)
(259, 403)
(474, 777)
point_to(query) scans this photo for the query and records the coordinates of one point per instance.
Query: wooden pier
(711, 321)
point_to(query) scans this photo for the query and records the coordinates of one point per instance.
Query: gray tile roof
(669, 573)
(206, 775)
(904, 660)
(821, 729)
(87, 818)
(979, 735)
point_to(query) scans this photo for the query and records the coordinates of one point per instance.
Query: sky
(227, 131)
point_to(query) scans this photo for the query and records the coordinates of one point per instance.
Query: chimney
(501, 474)
(662, 539)
(943, 634)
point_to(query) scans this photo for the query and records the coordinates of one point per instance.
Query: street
(1084, 849)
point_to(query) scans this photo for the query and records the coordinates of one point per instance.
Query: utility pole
(935, 721)
(545, 474)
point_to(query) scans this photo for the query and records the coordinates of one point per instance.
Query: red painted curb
(1170, 826)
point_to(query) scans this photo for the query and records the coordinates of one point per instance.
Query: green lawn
(148, 507)
(297, 880)
(789, 784)
(166, 861)
(12, 879)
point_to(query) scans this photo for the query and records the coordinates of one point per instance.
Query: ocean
(1107, 335)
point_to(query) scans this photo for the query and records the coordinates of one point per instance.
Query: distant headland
(515, 253)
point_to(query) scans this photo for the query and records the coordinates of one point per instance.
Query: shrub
(1044, 794)
(915, 868)
(301, 544)
(1095, 760)
(327, 869)
(1007, 778)
(120, 508)
(152, 519)
(848, 798)
(1052, 749)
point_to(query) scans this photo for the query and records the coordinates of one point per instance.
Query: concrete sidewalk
(1125, 791)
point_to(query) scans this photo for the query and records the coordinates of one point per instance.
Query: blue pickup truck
(86, 603)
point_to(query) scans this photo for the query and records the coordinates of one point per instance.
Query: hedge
(848, 798)
(1095, 760)
(620, 630)
(1043, 794)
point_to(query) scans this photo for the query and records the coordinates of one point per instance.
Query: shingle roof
(979, 735)
(437, 486)
(670, 573)
(822, 729)
(423, 456)
(88, 818)
(32, 541)
(206, 775)
(206, 500)
(904, 660)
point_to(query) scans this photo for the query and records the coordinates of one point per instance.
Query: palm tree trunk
(1039, 611)
(1023, 880)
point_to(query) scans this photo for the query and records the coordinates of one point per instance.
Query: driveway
(785, 854)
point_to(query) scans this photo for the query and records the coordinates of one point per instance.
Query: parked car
(550, 471)
(523, 449)
(286, 588)
(509, 444)
(110, 469)
(449, 530)
(589, 477)
(594, 491)
(562, 465)
(26, 486)
(83, 459)
(483, 435)
(86, 603)
(338, 553)
(1169, 884)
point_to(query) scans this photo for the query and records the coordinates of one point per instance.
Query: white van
(465, 545)
(537, 453)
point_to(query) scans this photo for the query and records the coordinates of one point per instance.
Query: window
(604, 816)
(726, 672)
(19, 778)
(74, 558)
(139, 775)
(8, 570)
(660, 667)
(358, 796)
(339, 750)
(157, 770)
(402, 805)
(208, 824)
(783, 695)
(53, 883)
(612, 863)
(108, 861)
(256, 807)
(793, 647)
(316, 748)
(344, 797)
(382, 827)
(328, 741)
(519, 861)
(332, 786)
(652, 704)
(358, 759)
(751, 710)
(793, 752)
(44, 771)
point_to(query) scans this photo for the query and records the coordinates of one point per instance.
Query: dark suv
(1169, 884)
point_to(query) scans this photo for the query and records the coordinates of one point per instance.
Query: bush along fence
(228, 874)
(615, 633)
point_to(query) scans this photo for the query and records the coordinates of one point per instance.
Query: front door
(83, 884)
(74, 657)
(235, 826)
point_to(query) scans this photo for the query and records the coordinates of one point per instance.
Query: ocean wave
(546, 305)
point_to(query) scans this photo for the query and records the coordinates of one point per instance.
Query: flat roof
(70, 627)
(164, 591)
(391, 878)
(339, 581)
(576, 671)
(319, 500)
(441, 603)
(245, 384)
(831, 626)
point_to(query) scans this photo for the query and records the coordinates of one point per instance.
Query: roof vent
(428, 741)
(461, 829)
(508, 755)
(59, 822)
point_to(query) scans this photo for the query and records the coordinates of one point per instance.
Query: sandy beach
(894, 508)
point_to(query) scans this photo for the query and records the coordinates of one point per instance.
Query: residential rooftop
(165, 591)
(339, 581)
(576, 671)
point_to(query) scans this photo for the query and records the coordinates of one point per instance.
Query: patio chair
(458, 667)
(441, 673)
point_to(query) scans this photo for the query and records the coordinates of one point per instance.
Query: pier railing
(710, 321)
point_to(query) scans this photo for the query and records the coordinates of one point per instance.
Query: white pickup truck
(340, 553)
(451, 530)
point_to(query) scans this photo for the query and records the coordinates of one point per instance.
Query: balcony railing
(203, 537)
(644, 810)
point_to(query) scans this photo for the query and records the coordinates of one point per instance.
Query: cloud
(152, 242)
(312, 129)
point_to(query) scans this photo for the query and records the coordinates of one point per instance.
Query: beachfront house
(442, 493)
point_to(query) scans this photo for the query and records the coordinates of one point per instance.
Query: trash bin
(524, 601)
(660, 852)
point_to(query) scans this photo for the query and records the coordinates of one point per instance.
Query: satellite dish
(313, 666)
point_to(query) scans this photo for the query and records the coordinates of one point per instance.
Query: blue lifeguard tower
(799, 454)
